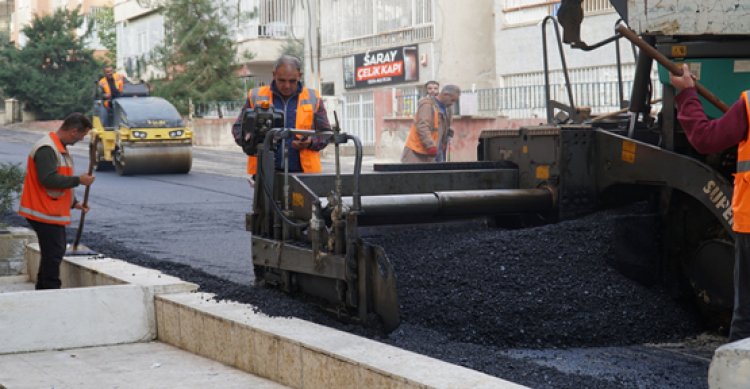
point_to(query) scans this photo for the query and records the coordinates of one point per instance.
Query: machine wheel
(101, 164)
(118, 162)
(701, 256)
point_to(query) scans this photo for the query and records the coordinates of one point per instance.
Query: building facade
(260, 27)
(24, 12)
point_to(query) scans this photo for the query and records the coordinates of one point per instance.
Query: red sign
(381, 67)
(392, 69)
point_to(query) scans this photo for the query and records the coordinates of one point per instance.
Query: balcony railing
(520, 102)
(519, 12)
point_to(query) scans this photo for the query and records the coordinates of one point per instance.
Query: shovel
(82, 250)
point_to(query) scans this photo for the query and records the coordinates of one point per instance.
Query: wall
(464, 46)
(391, 132)
(518, 49)
(463, 147)
(212, 132)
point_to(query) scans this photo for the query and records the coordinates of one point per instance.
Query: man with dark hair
(431, 88)
(47, 195)
(431, 130)
(111, 87)
(303, 109)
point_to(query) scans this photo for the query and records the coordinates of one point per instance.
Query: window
(327, 89)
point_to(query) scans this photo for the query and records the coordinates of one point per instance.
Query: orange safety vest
(119, 84)
(741, 195)
(308, 102)
(412, 140)
(47, 205)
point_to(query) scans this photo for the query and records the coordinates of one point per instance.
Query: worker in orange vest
(714, 136)
(303, 109)
(111, 87)
(430, 132)
(47, 195)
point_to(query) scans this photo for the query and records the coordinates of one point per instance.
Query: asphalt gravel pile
(469, 293)
(548, 286)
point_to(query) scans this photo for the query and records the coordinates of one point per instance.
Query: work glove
(432, 150)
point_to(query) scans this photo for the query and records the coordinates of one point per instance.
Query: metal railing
(520, 12)
(519, 102)
(368, 25)
(217, 109)
(516, 102)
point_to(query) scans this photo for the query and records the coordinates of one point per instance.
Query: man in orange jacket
(111, 87)
(303, 109)
(430, 132)
(47, 195)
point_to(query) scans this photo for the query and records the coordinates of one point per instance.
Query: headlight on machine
(176, 133)
(139, 134)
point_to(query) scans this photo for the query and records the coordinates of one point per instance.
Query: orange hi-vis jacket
(119, 84)
(412, 140)
(308, 102)
(47, 205)
(741, 195)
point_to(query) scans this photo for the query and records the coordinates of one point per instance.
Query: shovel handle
(671, 66)
(92, 158)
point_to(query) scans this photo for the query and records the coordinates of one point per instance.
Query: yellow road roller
(140, 134)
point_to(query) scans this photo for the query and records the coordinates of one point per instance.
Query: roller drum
(153, 158)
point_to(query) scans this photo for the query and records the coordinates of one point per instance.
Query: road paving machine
(140, 134)
(306, 228)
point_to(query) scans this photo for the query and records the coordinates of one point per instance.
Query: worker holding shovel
(47, 196)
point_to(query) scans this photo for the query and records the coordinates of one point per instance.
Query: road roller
(140, 134)
(307, 229)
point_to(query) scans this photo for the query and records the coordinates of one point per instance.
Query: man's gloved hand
(451, 133)
(432, 150)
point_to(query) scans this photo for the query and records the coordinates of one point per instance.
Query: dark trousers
(741, 316)
(52, 246)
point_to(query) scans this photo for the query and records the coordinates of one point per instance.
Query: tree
(106, 32)
(11, 178)
(295, 48)
(52, 75)
(199, 56)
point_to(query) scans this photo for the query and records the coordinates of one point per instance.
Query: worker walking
(47, 195)
(303, 109)
(430, 132)
(712, 136)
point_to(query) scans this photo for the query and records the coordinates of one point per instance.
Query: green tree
(199, 56)
(106, 32)
(52, 74)
(295, 48)
(11, 178)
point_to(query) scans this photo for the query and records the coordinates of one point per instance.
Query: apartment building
(260, 27)
(375, 56)
(24, 12)
(6, 13)
(520, 58)
(492, 48)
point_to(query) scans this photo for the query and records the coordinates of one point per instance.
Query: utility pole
(312, 44)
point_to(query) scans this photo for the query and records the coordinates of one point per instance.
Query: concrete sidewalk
(135, 365)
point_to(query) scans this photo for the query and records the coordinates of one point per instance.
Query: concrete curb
(730, 366)
(289, 351)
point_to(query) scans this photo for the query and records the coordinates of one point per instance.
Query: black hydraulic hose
(356, 197)
(264, 184)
